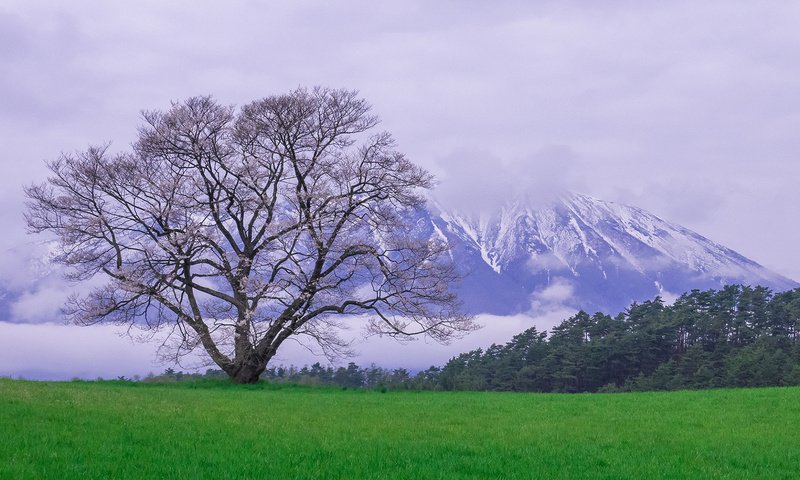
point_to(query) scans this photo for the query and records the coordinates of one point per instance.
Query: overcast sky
(688, 109)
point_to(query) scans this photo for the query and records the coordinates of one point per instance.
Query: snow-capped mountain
(582, 252)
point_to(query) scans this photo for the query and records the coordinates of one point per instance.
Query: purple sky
(687, 109)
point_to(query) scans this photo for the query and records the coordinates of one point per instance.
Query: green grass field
(114, 430)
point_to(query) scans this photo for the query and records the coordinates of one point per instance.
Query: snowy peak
(607, 254)
(618, 224)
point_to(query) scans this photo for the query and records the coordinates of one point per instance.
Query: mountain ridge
(603, 255)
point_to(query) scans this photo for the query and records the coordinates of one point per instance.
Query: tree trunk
(247, 372)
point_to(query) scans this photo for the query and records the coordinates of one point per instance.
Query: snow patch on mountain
(608, 253)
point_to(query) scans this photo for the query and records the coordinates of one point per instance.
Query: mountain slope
(585, 253)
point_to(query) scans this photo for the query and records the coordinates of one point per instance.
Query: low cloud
(34, 289)
(544, 262)
(667, 296)
(422, 352)
(480, 182)
(43, 304)
(559, 291)
(554, 299)
(51, 351)
(108, 351)
(23, 263)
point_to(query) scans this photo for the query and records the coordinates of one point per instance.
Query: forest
(738, 336)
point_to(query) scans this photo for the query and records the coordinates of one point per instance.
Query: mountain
(582, 252)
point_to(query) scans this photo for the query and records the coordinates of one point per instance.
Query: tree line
(318, 375)
(738, 336)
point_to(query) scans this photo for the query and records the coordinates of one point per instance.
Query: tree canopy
(239, 228)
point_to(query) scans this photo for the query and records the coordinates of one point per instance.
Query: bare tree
(241, 228)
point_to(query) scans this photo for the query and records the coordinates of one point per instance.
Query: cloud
(43, 304)
(32, 288)
(557, 292)
(479, 181)
(553, 303)
(63, 352)
(667, 296)
(544, 262)
(51, 351)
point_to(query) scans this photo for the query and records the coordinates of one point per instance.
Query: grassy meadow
(117, 430)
